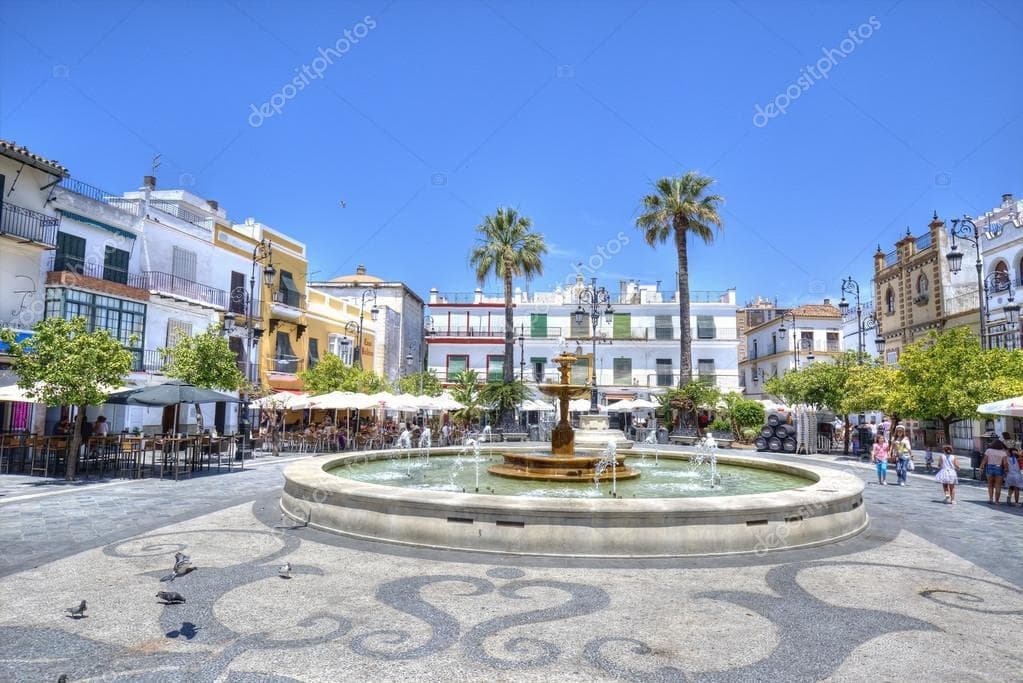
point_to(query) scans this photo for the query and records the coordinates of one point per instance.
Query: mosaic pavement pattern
(902, 609)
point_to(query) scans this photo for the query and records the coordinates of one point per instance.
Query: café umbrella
(172, 393)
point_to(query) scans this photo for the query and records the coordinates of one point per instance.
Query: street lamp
(522, 352)
(598, 300)
(374, 313)
(262, 254)
(994, 283)
(964, 228)
(851, 286)
(797, 344)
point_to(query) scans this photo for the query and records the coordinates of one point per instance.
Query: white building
(1002, 246)
(28, 231)
(806, 334)
(398, 347)
(636, 351)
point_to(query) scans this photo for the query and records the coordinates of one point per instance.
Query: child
(1013, 476)
(948, 475)
(929, 460)
(880, 457)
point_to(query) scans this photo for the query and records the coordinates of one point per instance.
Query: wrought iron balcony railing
(172, 285)
(72, 264)
(28, 225)
(287, 364)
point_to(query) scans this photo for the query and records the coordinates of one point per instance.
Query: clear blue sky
(442, 111)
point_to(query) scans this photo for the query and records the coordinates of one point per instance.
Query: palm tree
(506, 248)
(677, 208)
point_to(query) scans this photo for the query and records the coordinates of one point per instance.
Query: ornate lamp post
(964, 228)
(598, 301)
(374, 313)
(797, 344)
(262, 253)
(851, 286)
(522, 352)
(999, 281)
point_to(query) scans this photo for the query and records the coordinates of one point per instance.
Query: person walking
(880, 455)
(1013, 476)
(948, 475)
(993, 466)
(903, 454)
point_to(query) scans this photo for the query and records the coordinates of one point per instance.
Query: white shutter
(176, 329)
(183, 264)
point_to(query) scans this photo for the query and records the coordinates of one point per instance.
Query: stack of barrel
(777, 435)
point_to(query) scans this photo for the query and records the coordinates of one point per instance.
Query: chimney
(214, 205)
(149, 181)
(1007, 200)
(827, 302)
(360, 269)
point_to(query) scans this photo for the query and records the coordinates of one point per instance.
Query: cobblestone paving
(925, 578)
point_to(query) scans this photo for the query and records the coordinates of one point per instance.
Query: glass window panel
(705, 327)
(623, 371)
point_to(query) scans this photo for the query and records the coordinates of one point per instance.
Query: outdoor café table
(177, 451)
(131, 456)
(11, 445)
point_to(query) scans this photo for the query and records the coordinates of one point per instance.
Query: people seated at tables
(63, 428)
(101, 428)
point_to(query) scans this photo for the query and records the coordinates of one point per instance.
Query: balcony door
(70, 253)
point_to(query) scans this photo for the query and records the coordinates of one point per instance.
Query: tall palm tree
(506, 248)
(680, 207)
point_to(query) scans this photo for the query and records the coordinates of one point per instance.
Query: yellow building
(333, 327)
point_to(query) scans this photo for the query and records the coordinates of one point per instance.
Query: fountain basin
(828, 508)
(578, 468)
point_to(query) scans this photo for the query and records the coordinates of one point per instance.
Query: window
(115, 265)
(538, 368)
(664, 374)
(342, 347)
(580, 328)
(70, 253)
(892, 358)
(622, 370)
(314, 352)
(125, 320)
(236, 297)
(237, 346)
(456, 364)
(1002, 279)
(183, 264)
(1020, 271)
(754, 355)
(495, 368)
(833, 342)
(664, 327)
(705, 327)
(538, 325)
(774, 343)
(581, 371)
(176, 331)
(288, 293)
(889, 301)
(285, 359)
(705, 370)
(622, 326)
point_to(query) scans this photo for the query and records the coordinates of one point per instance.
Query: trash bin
(866, 441)
(975, 458)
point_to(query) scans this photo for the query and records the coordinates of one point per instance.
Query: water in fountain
(474, 446)
(486, 434)
(609, 458)
(424, 444)
(707, 452)
(651, 440)
(405, 445)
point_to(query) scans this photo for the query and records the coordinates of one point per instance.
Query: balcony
(285, 364)
(150, 360)
(27, 225)
(72, 264)
(469, 332)
(175, 209)
(176, 287)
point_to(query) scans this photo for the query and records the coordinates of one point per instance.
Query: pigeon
(77, 612)
(62, 679)
(182, 565)
(284, 571)
(170, 597)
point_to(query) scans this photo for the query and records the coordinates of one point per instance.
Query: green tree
(63, 364)
(424, 383)
(466, 390)
(870, 387)
(689, 398)
(947, 375)
(205, 360)
(742, 413)
(680, 207)
(504, 396)
(331, 374)
(506, 248)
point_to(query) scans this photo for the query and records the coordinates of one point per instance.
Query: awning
(1009, 407)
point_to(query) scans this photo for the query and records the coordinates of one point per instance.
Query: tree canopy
(205, 360)
(424, 383)
(331, 374)
(466, 390)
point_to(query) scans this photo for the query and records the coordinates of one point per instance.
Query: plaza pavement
(920, 595)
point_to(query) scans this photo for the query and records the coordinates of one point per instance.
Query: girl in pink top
(880, 454)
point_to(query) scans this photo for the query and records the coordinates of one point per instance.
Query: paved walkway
(925, 575)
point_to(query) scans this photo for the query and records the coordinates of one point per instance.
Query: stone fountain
(563, 464)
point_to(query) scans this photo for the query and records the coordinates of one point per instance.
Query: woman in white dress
(1013, 476)
(948, 475)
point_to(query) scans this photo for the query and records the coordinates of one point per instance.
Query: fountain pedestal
(593, 432)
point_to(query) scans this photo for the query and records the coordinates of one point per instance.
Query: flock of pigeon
(182, 565)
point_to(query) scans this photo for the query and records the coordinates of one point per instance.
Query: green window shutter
(705, 369)
(623, 371)
(663, 327)
(705, 327)
(70, 252)
(456, 364)
(623, 326)
(495, 368)
(538, 325)
(115, 265)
